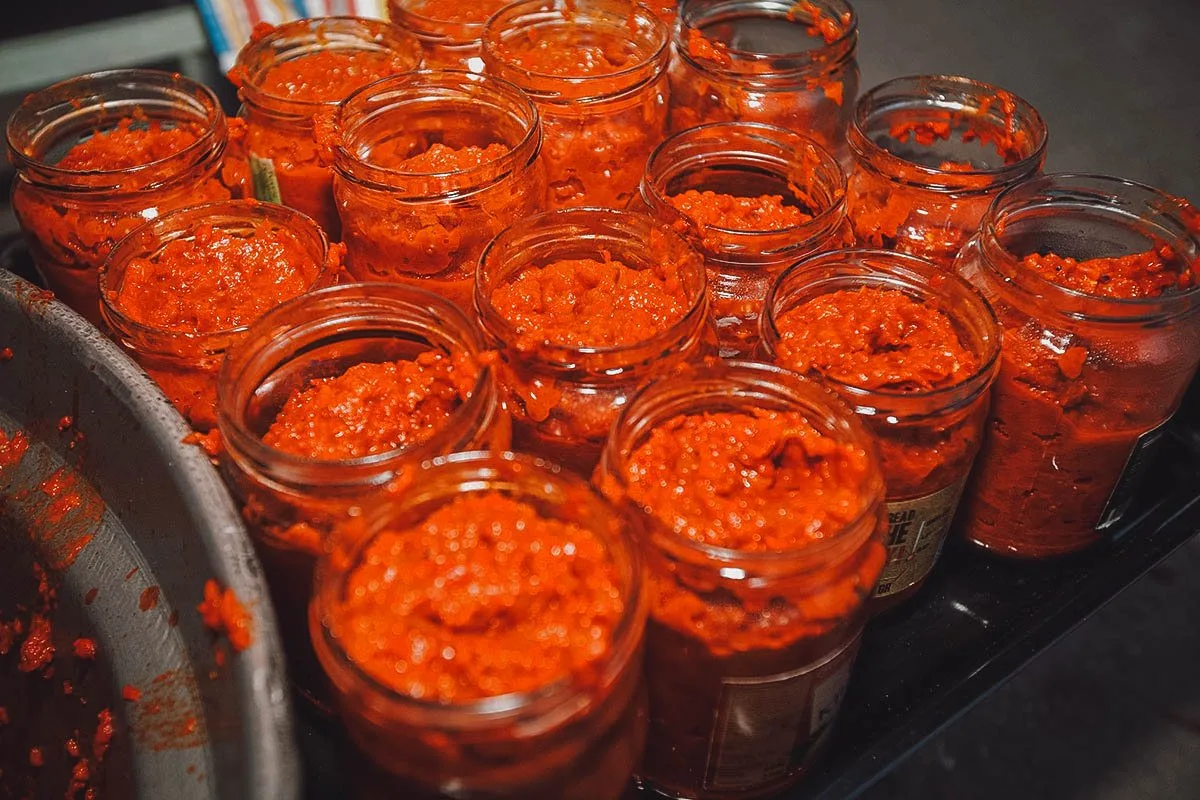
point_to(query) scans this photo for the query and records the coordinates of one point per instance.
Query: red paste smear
(69, 519)
(1012, 142)
(223, 612)
(167, 716)
(766, 212)
(132, 143)
(149, 598)
(84, 648)
(210, 442)
(588, 303)
(820, 25)
(758, 481)
(476, 11)
(328, 76)
(37, 651)
(482, 598)
(875, 339)
(131, 694)
(214, 280)
(702, 48)
(374, 408)
(438, 159)
(1148, 274)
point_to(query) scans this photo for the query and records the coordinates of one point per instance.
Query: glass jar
(596, 69)
(73, 217)
(284, 157)
(563, 398)
(183, 357)
(748, 648)
(291, 500)
(784, 63)
(449, 30)
(926, 410)
(746, 160)
(428, 224)
(931, 152)
(577, 738)
(1088, 379)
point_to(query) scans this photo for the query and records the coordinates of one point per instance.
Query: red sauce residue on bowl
(483, 598)
(223, 612)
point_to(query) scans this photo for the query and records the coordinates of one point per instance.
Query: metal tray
(162, 519)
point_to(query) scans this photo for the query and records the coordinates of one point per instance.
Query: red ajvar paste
(71, 237)
(485, 597)
(766, 212)
(884, 340)
(329, 76)
(373, 408)
(1062, 429)
(433, 245)
(589, 303)
(215, 281)
(756, 482)
(457, 10)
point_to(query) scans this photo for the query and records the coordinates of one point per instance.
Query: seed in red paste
(37, 651)
(329, 76)
(131, 694)
(483, 598)
(132, 143)
(223, 612)
(215, 280)
(760, 481)
(766, 212)
(588, 303)
(373, 407)
(1147, 274)
(876, 339)
(85, 648)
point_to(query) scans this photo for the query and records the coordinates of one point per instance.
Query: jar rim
(68, 92)
(900, 272)
(1100, 193)
(926, 89)
(230, 211)
(626, 79)
(825, 58)
(373, 35)
(346, 160)
(731, 379)
(354, 297)
(820, 224)
(501, 708)
(498, 326)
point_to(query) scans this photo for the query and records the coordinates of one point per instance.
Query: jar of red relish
(449, 30)
(914, 350)
(585, 306)
(751, 199)
(791, 64)
(930, 153)
(329, 398)
(1094, 281)
(285, 76)
(96, 156)
(180, 290)
(428, 168)
(483, 629)
(597, 71)
(762, 496)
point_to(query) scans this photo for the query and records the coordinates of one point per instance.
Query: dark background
(1111, 711)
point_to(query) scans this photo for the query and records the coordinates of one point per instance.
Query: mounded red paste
(373, 408)
(766, 212)
(484, 597)
(329, 76)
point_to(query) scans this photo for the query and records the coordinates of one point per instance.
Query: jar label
(766, 726)
(916, 532)
(1136, 466)
(266, 185)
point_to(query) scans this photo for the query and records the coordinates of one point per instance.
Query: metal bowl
(162, 519)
